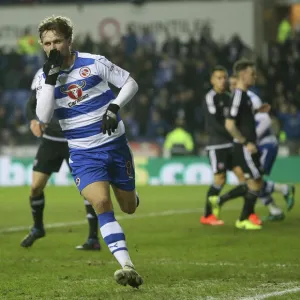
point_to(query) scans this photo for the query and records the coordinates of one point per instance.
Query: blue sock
(267, 189)
(114, 237)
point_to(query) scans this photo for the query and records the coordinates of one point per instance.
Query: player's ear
(241, 74)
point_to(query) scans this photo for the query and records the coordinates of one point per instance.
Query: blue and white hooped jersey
(267, 136)
(82, 95)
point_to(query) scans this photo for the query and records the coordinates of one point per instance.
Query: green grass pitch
(177, 257)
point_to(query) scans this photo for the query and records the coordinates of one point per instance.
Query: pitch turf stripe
(273, 294)
(122, 217)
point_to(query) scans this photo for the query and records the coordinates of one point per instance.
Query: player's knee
(255, 185)
(36, 190)
(220, 179)
(239, 174)
(129, 209)
(102, 205)
(129, 205)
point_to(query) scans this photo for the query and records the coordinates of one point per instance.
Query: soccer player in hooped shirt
(74, 86)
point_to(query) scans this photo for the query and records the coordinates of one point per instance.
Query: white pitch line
(273, 294)
(122, 217)
(166, 261)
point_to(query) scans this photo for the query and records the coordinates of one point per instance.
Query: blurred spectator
(147, 41)
(130, 42)
(4, 128)
(284, 30)
(141, 109)
(290, 118)
(173, 80)
(297, 96)
(179, 141)
(157, 128)
(131, 125)
(28, 44)
(29, 48)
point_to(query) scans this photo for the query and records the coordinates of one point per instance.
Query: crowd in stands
(173, 80)
(10, 2)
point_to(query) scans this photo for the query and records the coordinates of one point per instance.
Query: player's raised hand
(265, 108)
(110, 120)
(52, 66)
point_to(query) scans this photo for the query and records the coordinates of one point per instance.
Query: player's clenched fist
(36, 128)
(251, 148)
(110, 120)
(52, 66)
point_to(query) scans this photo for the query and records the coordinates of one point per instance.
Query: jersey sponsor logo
(74, 91)
(115, 69)
(85, 72)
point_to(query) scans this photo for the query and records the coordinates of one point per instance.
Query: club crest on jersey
(74, 91)
(85, 72)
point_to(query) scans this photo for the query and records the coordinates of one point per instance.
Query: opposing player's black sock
(92, 219)
(238, 191)
(250, 200)
(37, 209)
(214, 190)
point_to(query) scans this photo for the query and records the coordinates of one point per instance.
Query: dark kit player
(220, 152)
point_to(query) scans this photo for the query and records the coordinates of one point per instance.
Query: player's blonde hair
(59, 24)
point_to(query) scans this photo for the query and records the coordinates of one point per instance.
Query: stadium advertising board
(178, 18)
(152, 171)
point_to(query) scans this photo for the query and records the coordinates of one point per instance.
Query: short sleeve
(209, 99)
(256, 101)
(111, 72)
(235, 105)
